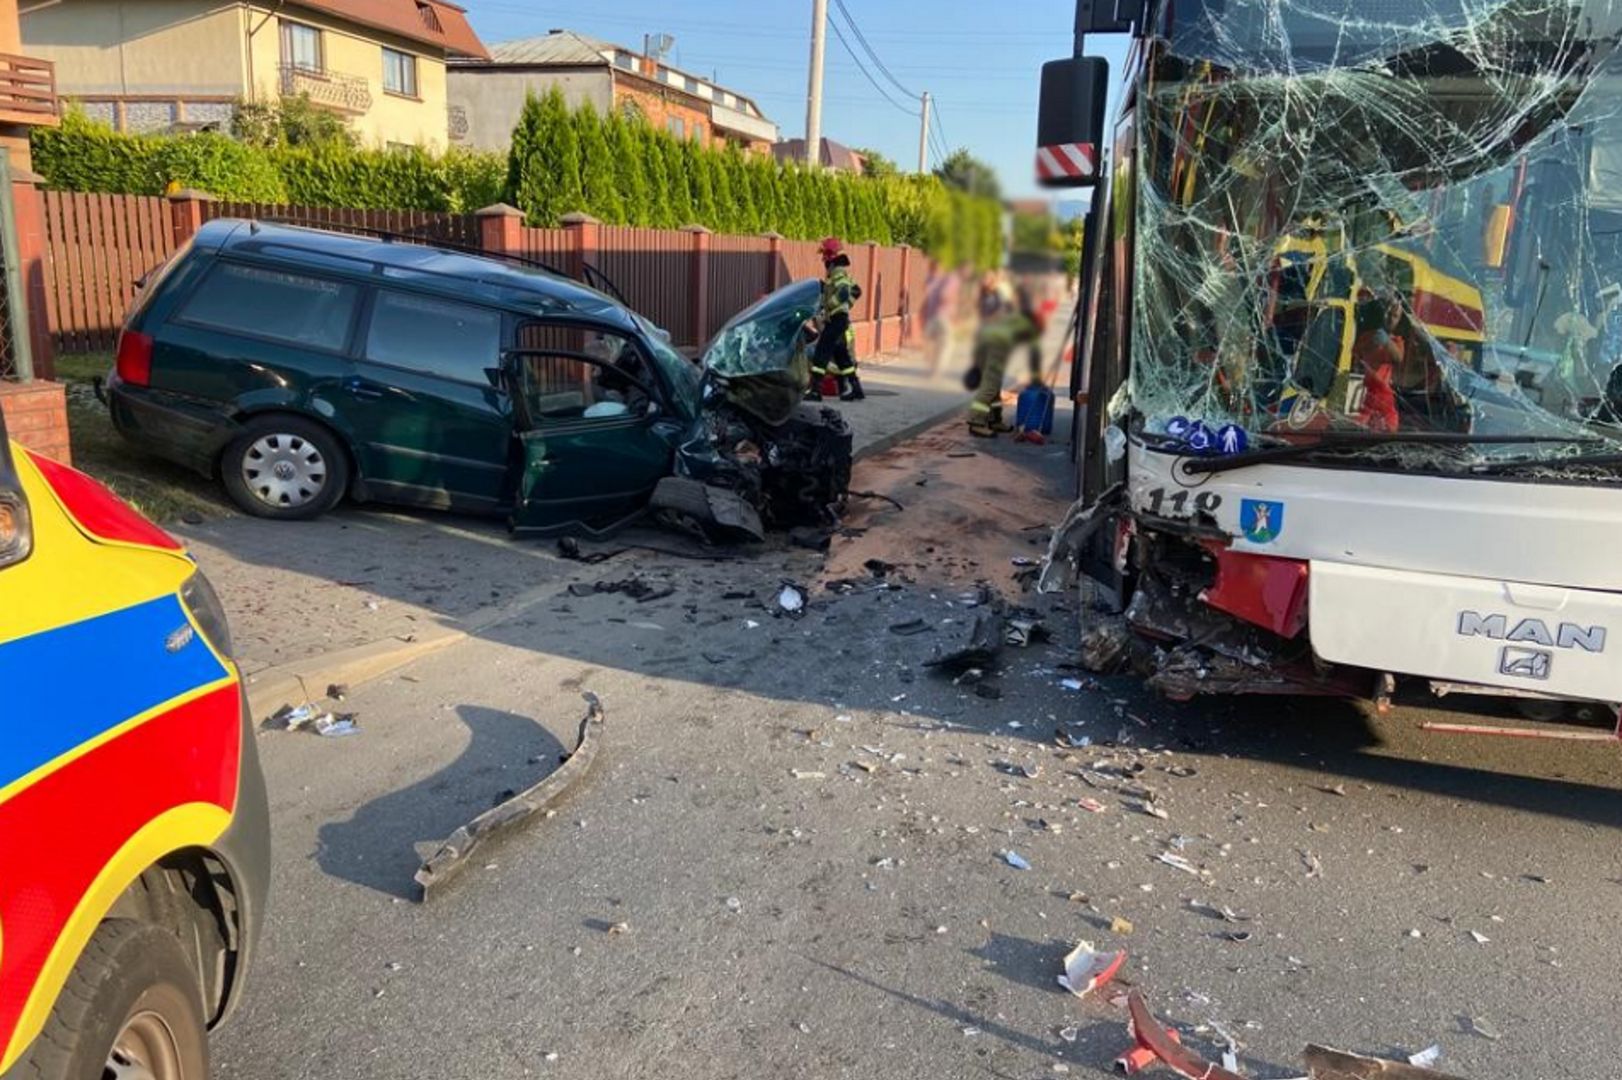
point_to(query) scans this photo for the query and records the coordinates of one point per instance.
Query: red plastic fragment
(1164, 1045)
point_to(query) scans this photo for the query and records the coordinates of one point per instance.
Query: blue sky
(980, 61)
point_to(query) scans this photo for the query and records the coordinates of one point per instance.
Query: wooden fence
(685, 280)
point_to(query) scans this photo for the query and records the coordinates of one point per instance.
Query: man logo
(1532, 632)
(1525, 663)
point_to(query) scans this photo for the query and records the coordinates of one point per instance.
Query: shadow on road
(377, 845)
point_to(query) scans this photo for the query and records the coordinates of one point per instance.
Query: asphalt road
(788, 860)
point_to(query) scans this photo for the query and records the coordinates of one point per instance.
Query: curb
(299, 681)
(901, 435)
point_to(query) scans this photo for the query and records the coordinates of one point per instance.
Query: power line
(940, 125)
(885, 94)
(850, 20)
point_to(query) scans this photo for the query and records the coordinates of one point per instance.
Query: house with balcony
(153, 65)
(487, 95)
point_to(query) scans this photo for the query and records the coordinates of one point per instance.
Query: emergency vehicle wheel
(129, 1011)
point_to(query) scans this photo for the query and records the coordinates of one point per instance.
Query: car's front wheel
(285, 467)
(129, 1011)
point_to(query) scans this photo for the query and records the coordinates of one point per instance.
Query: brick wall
(37, 416)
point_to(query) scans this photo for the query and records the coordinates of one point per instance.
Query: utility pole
(813, 105)
(923, 138)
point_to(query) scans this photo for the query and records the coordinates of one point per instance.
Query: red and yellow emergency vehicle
(134, 845)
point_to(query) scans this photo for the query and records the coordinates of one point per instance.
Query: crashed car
(299, 366)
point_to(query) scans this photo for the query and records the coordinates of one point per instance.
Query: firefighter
(1003, 328)
(834, 351)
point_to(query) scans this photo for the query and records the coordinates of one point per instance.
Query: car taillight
(135, 357)
(16, 531)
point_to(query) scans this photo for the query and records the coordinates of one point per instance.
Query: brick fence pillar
(870, 289)
(777, 272)
(186, 213)
(585, 237)
(700, 277)
(906, 293)
(28, 208)
(498, 229)
(37, 416)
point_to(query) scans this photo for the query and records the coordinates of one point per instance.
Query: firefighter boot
(995, 421)
(855, 392)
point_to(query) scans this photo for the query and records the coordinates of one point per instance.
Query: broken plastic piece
(1086, 968)
(1326, 1064)
(1163, 1045)
(1015, 859)
(1427, 1057)
(791, 599)
(454, 852)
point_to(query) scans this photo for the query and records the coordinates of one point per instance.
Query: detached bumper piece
(460, 845)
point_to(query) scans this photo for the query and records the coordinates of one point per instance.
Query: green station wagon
(299, 366)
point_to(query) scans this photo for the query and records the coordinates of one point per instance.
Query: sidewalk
(309, 597)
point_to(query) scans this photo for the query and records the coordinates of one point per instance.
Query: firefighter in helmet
(834, 352)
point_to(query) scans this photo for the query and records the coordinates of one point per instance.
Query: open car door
(595, 431)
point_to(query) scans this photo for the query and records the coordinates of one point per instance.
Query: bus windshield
(1384, 215)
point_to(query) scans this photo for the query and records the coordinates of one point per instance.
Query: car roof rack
(591, 276)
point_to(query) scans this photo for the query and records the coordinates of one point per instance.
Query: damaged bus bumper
(1270, 580)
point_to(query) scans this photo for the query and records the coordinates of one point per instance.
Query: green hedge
(86, 155)
(627, 172)
(620, 170)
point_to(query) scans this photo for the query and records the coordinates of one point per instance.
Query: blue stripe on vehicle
(64, 686)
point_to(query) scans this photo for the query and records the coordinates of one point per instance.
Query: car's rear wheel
(129, 1011)
(285, 467)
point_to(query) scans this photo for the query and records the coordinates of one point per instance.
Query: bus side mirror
(1070, 126)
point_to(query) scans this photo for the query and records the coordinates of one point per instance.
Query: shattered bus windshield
(1387, 216)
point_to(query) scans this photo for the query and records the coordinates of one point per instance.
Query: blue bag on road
(1035, 409)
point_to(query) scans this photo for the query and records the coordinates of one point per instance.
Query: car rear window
(440, 337)
(293, 308)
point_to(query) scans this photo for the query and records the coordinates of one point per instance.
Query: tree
(678, 181)
(661, 215)
(631, 162)
(876, 165)
(967, 173)
(599, 174)
(543, 167)
(1035, 233)
(698, 167)
(289, 121)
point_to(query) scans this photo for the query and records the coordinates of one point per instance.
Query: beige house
(146, 65)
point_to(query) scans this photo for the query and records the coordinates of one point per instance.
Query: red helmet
(831, 248)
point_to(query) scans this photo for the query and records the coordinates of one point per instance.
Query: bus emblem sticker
(1261, 521)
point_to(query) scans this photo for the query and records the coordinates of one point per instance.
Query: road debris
(1118, 925)
(1479, 938)
(1147, 806)
(454, 852)
(1474, 1025)
(984, 641)
(910, 627)
(1177, 862)
(1314, 866)
(791, 600)
(1091, 805)
(308, 717)
(1426, 1058)
(1326, 1064)
(1086, 968)
(1153, 1044)
(1014, 859)
(808, 774)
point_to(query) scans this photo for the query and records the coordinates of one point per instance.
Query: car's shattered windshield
(1382, 216)
(760, 355)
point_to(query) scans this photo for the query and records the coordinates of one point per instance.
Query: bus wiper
(1492, 468)
(1356, 440)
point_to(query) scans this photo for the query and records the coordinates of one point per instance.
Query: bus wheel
(129, 1011)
